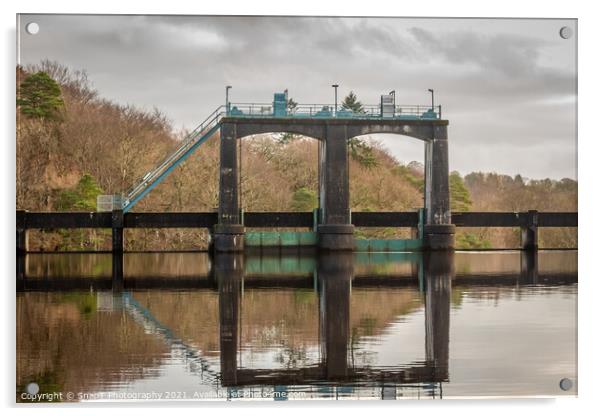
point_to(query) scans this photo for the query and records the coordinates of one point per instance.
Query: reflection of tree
(293, 356)
(60, 351)
(85, 303)
(359, 357)
(456, 297)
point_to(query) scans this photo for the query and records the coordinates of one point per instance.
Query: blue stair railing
(154, 177)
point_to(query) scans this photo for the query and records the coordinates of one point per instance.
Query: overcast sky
(508, 87)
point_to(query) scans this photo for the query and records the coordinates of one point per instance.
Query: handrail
(188, 140)
(260, 109)
(197, 134)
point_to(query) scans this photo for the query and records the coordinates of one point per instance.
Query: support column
(335, 230)
(117, 231)
(228, 233)
(438, 275)
(22, 232)
(528, 232)
(229, 270)
(335, 272)
(438, 230)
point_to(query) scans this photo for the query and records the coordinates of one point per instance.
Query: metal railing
(193, 139)
(418, 112)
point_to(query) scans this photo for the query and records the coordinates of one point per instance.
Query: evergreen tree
(291, 105)
(460, 196)
(39, 96)
(304, 199)
(472, 241)
(286, 138)
(409, 174)
(82, 197)
(351, 103)
(361, 151)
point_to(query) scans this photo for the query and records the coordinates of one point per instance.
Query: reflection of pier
(334, 275)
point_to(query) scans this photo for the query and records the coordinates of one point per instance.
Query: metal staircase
(154, 177)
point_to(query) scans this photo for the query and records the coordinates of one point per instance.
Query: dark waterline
(378, 325)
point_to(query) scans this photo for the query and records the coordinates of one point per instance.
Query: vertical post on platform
(335, 230)
(438, 229)
(528, 231)
(117, 230)
(22, 232)
(228, 233)
(228, 87)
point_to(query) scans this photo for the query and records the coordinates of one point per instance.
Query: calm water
(175, 326)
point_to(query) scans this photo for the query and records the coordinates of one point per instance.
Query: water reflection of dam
(334, 275)
(333, 278)
(74, 271)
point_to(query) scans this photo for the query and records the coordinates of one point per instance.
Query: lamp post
(432, 99)
(227, 99)
(335, 86)
(393, 94)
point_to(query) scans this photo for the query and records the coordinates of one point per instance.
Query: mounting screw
(32, 28)
(32, 388)
(566, 384)
(566, 32)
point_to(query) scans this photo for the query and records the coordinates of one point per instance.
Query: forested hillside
(73, 145)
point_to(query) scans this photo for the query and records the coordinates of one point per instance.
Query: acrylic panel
(295, 208)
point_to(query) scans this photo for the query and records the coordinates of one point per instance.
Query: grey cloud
(510, 54)
(497, 80)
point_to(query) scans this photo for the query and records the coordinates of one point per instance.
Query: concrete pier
(438, 230)
(228, 233)
(335, 231)
(528, 232)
